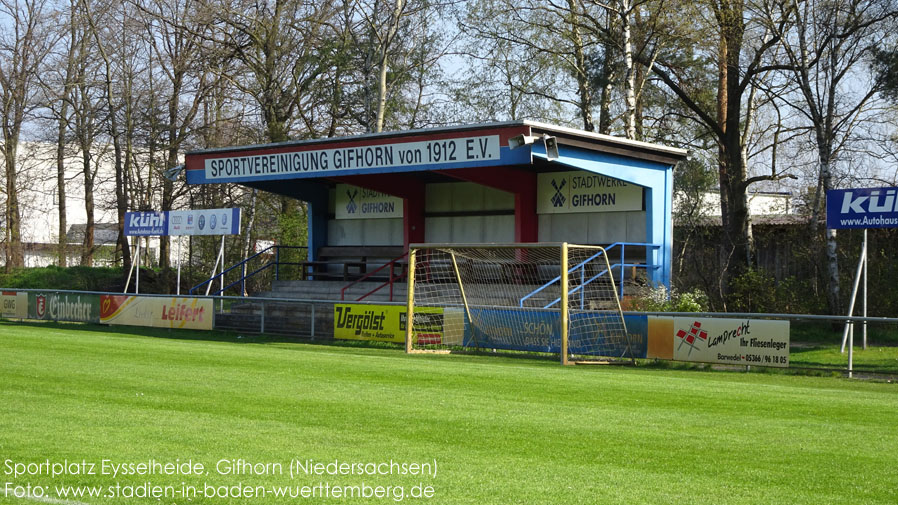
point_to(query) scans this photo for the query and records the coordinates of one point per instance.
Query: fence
(814, 343)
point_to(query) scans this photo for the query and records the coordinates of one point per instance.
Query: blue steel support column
(659, 228)
(667, 257)
(655, 177)
(316, 198)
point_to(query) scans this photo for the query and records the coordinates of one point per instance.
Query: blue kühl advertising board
(862, 208)
(146, 224)
(182, 222)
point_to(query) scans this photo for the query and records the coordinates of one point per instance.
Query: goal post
(553, 298)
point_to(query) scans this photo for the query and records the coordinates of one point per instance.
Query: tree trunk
(833, 291)
(607, 77)
(732, 170)
(383, 62)
(121, 183)
(61, 252)
(87, 251)
(630, 78)
(584, 87)
(15, 255)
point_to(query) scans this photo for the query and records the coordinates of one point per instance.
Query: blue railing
(622, 265)
(274, 262)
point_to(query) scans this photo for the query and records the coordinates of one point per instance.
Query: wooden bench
(349, 262)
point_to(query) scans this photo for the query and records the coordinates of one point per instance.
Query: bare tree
(25, 41)
(57, 90)
(536, 52)
(828, 45)
(174, 32)
(739, 59)
(114, 101)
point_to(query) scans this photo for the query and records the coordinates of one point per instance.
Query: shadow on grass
(200, 335)
(812, 332)
(807, 358)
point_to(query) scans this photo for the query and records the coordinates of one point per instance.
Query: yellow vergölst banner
(157, 312)
(387, 323)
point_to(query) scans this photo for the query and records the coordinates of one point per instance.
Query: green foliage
(758, 291)
(293, 227)
(660, 300)
(753, 291)
(53, 277)
(885, 66)
(293, 231)
(693, 178)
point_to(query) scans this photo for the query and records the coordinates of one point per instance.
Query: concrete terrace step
(331, 290)
(509, 295)
(280, 318)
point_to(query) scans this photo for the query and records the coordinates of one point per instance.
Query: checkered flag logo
(695, 333)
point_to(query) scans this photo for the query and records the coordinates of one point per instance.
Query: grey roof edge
(608, 139)
(633, 144)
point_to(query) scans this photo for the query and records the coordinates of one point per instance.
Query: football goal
(545, 298)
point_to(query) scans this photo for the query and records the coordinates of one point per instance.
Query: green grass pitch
(500, 430)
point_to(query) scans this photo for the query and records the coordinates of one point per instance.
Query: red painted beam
(409, 188)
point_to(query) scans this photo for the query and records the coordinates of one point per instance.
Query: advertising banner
(465, 150)
(146, 224)
(157, 312)
(14, 304)
(541, 332)
(862, 208)
(387, 323)
(64, 307)
(731, 341)
(353, 202)
(204, 222)
(183, 222)
(520, 330)
(581, 191)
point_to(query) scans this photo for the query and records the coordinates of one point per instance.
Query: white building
(760, 203)
(39, 204)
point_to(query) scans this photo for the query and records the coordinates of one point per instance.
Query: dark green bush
(74, 278)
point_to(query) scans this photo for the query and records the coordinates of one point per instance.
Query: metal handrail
(623, 264)
(392, 264)
(275, 263)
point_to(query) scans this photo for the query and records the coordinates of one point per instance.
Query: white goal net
(545, 298)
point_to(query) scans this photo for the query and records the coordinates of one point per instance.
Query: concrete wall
(362, 231)
(467, 197)
(443, 198)
(495, 225)
(365, 232)
(593, 228)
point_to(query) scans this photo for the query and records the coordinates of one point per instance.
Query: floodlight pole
(857, 279)
(130, 270)
(218, 258)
